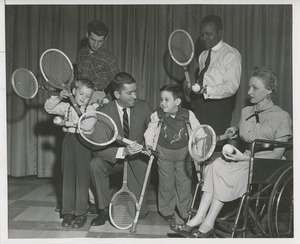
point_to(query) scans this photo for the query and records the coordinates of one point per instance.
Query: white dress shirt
(222, 78)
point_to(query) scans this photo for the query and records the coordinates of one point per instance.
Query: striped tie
(125, 123)
(207, 62)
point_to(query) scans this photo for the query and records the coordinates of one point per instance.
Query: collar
(217, 47)
(120, 108)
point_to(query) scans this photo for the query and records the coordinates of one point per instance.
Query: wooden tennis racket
(123, 205)
(57, 70)
(24, 83)
(181, 48)
(100, 130)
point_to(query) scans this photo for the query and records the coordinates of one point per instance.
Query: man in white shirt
(219, 79)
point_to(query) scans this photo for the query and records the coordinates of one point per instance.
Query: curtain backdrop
(138, 36)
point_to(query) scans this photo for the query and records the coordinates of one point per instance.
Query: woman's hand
(232, 130)
(235, 156)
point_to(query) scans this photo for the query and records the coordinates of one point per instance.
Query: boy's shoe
(171, 220)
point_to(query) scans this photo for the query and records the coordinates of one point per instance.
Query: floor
(31, 214)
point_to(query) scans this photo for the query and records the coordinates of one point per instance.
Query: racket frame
(124, 188)
(214, 138)
(116, 135)
(64, 87)
(13, 81)
(185, 64)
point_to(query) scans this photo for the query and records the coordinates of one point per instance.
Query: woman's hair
(268, 77)
(120, 80)
(174, 89)
(83, 82)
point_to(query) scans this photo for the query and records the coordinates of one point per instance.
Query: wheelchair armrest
(262, 144)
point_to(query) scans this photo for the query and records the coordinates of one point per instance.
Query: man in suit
(109, 160)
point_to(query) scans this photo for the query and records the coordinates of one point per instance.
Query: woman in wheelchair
(226, 178)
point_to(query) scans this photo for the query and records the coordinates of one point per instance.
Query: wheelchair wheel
(281, 206)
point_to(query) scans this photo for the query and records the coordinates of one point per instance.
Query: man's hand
(132, 149)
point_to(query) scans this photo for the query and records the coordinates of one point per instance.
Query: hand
(232, 130)
(132, 149)
(102, 102)
(63, 94)
(235, 156)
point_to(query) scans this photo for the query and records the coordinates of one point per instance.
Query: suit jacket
(139, 120)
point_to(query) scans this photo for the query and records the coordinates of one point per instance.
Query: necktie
(207, 62)
(125, 123)
(255, 114)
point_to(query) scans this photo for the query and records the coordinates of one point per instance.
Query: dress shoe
(208, 234)
(102, 217)
(79, 222)
(92, 209)
(68, 219)
(187, 228)
(171, 220)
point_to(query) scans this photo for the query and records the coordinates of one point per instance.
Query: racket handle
(187, 77)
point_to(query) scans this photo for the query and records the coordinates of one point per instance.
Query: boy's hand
(63, 94)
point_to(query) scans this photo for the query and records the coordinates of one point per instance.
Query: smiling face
(257, 90)
(127, 95)
(168, 103)
(82, 95)
(95, 42)
(209, 35)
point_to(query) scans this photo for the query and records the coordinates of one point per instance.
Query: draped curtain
(138, 36)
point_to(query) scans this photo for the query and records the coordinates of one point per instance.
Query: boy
(174, 162)
(75, 156)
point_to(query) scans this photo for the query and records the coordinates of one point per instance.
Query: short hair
(83, 82)
(268, 77)
(120, 80)
(97, 27)
(174, 89)
(216, 20)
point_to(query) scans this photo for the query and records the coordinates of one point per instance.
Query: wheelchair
(266, 210)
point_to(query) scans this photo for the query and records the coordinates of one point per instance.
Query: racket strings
(25, 83)
(123, 209)
(102, 130)
(57, 68)
(181, 47)
(202, 144)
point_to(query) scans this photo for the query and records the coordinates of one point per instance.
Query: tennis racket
(123, 204)
(100, 130)
(24, 83)
(133, 227)
(58, 71)
(181, 48)
(203, 141)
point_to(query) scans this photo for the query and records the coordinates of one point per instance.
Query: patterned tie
(125, 124)
(207, 62)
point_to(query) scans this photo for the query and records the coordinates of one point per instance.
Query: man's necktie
(255, 114)
(207, 62)
(125, 124)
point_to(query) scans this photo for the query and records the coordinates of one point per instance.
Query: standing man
(97, 63)
(219, 77)
(132, 117)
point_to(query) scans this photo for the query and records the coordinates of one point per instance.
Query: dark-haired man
(109, 160)
(97, 63)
